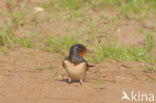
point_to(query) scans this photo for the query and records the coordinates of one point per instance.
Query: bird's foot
(69, 80)
(81, 80)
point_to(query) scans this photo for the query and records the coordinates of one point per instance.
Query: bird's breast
(75, 72)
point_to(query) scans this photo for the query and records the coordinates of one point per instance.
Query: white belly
(75, 72)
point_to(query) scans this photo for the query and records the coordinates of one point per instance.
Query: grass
(112, 23)
(140, 53)
(78, 11)
(1, 41)
(4, 50)
(52, 67)
(58, 45)
(149, 69)
(42, 68)
(25, 42)
(6, 35)
(58, 75)
(98, 84)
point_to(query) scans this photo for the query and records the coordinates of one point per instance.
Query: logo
(139, 97)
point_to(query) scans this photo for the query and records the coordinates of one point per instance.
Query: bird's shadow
(73, 81)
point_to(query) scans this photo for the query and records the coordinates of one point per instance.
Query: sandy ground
(22, 82)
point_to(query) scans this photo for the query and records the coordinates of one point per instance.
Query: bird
(75, 65)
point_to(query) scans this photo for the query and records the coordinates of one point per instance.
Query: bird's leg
(69, 80)
(81, 80)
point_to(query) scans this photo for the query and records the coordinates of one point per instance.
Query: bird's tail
(91, 66)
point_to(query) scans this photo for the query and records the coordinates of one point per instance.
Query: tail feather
(91, 65)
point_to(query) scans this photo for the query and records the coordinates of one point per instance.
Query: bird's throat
(76, 59)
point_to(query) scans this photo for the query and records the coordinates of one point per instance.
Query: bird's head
(78, 49)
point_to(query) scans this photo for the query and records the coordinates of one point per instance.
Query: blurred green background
(114, 29)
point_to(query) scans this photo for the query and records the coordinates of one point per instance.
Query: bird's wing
(63, 64)
(88, 66)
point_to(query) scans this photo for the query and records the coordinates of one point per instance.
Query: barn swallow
(75, 65)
